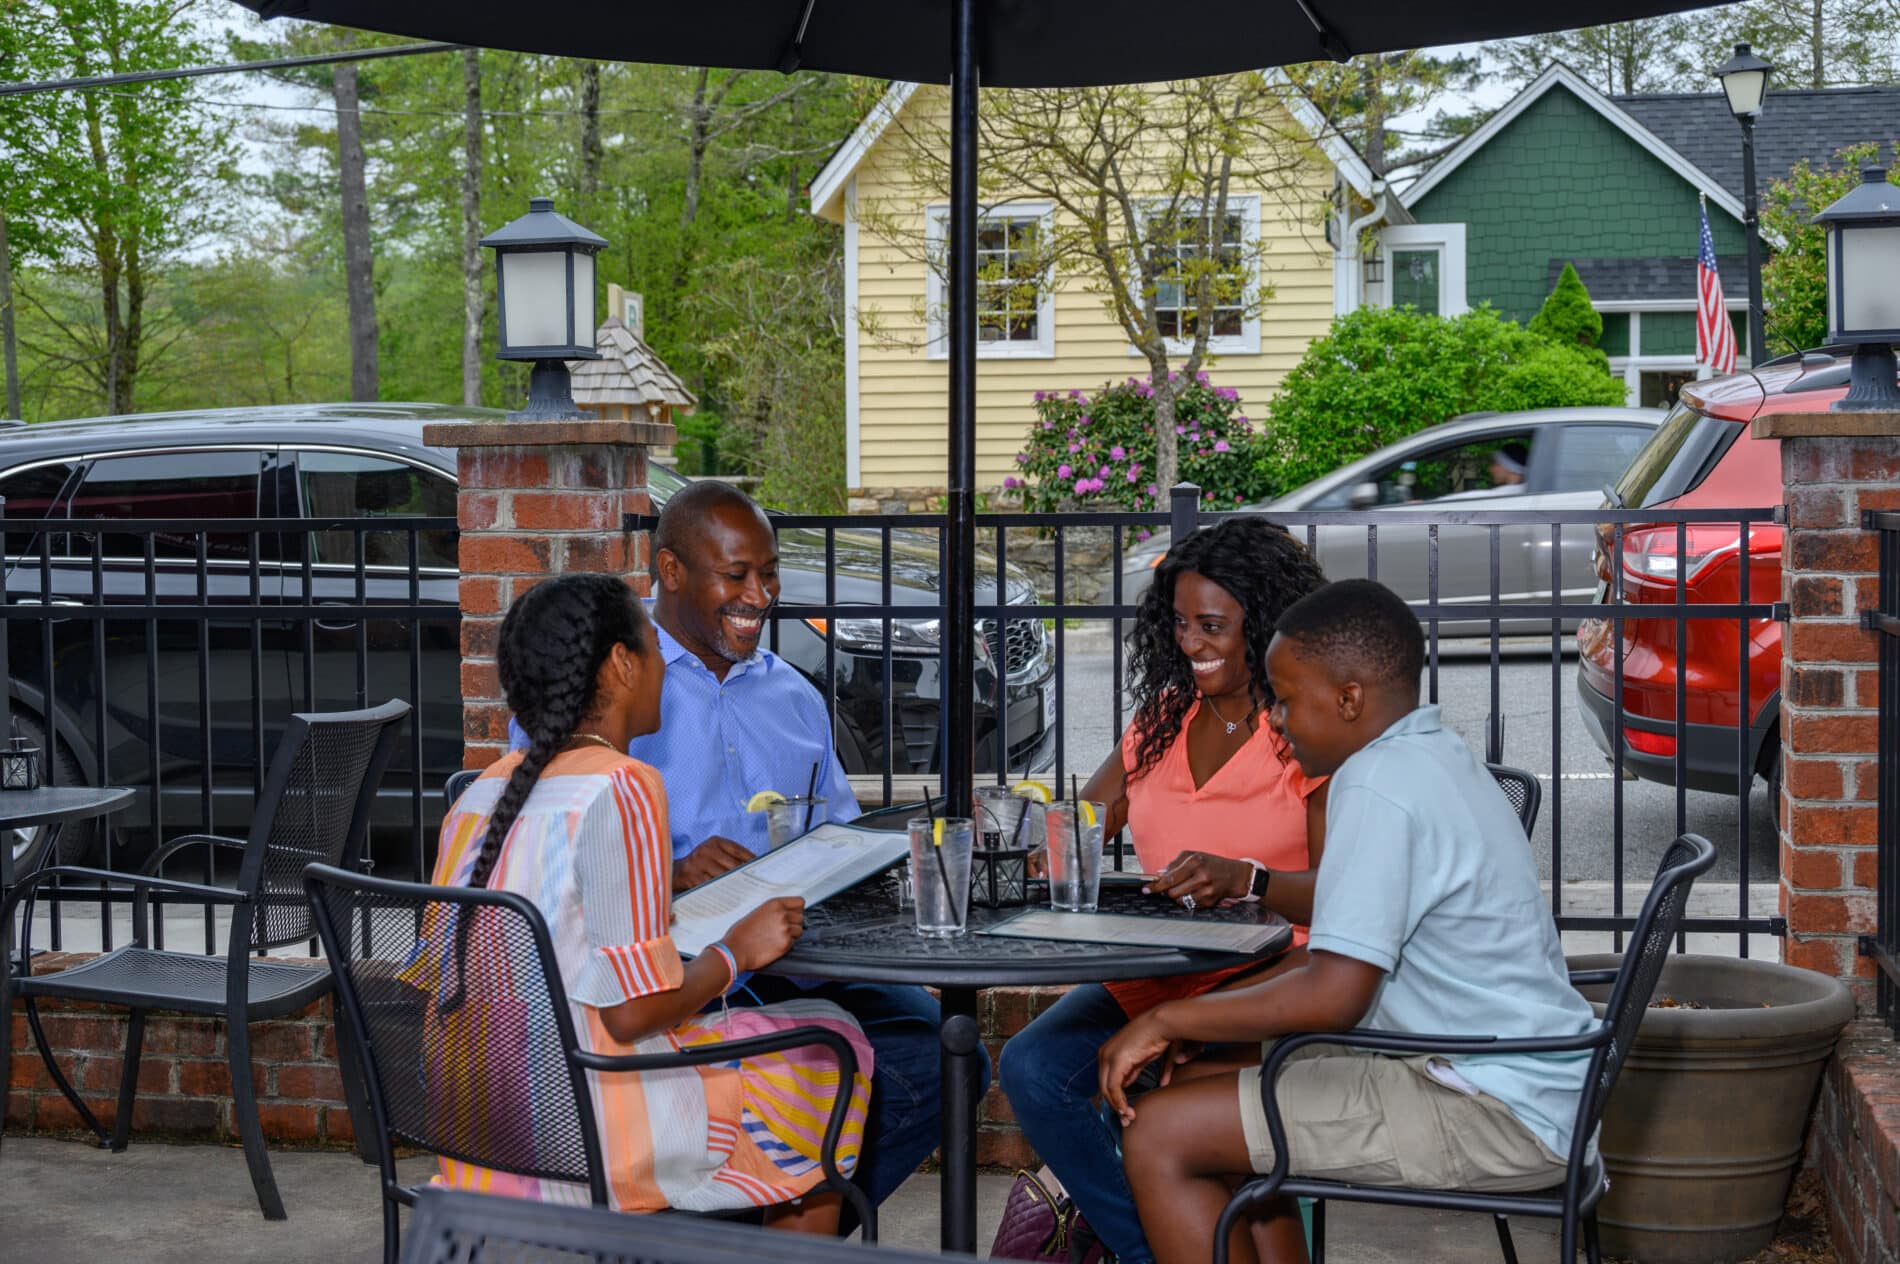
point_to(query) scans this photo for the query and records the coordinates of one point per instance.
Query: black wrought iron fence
(1884, 944)
(1541, 573)
(167, 655)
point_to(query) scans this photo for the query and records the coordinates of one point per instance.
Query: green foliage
(1381, 374)
(1567, 316)
(1794, 280)
(1099, 450)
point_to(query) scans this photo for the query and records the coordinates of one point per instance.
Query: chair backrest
(1522, 790)
(450, 1227)
(489, 1080)
(457, 785)
(315, 809)
(1650, 942)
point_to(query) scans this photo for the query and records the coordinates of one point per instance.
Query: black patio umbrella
(999, 44)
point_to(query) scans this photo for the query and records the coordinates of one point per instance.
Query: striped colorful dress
(590, 849)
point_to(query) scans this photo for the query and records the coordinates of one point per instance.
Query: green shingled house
(1564, 173)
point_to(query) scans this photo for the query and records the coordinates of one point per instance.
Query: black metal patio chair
(451, 1227)
(1522, 790)
(315, 807)
(456, 784)
(425, 1088)
(1574, 1202)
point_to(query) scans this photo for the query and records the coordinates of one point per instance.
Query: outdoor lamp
(1373, 265)
(20, 765)
(544, 288)
(1744, 81)
(1863, 288)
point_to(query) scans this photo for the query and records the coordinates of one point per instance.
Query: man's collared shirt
(721, 742)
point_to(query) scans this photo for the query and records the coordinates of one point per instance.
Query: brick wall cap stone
(547, 434)
(1826, 425)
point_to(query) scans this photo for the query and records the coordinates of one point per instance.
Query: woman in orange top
(1219, 811)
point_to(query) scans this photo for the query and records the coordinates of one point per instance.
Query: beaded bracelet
(732, 965)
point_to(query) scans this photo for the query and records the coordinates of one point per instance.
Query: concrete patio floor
(71, 1203)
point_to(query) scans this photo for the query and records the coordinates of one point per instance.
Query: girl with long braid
(579, 828)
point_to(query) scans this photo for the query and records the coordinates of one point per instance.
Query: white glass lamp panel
(534, 294)
(1869, 277)
(1745, 89)
(583, 299)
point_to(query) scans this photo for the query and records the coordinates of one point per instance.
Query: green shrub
(1566, 315)
(1099, 450)
(1380, 374)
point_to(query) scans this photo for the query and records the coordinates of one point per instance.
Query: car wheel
(79, 842)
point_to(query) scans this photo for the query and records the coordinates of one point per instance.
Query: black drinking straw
(811, 788)
(1075, 831)
(936, 848)
(1022, 819)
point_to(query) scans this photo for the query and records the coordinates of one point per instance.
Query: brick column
(1834, 467)
(537, 498)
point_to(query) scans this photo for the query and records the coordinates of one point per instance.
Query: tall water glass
(1000, 814)
(940, 874)
(792, 817)
(1075, 855)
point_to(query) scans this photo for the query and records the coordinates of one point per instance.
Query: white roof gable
(1560, 74)
(827, 187)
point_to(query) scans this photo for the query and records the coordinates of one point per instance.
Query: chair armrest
(165, 853)
(731, 1050)
(1583, 978)
(24, 891)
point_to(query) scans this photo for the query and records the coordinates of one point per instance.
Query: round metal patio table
(863, 936)
(55, 807)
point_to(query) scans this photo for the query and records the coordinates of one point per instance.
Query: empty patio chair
(1574, 1202)
(315, 807)
(523, 1105)
(1522, 790)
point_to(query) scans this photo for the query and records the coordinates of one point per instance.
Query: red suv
(1702, 457)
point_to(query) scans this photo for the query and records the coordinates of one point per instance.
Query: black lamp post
(1745, 82)
(1863, 288)
(544, 286)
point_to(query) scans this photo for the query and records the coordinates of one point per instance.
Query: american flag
(1714, 334)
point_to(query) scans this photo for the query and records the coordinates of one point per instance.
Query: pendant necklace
(1231, 724)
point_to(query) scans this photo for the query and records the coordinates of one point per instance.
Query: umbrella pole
(959, 581)
(962, 1049)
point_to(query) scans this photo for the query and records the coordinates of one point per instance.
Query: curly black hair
(553, 642)
(1261, 567)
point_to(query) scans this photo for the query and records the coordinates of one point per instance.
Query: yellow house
(1061, 337)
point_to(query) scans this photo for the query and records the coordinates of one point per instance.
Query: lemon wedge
(763, 800)
(936, 832)
(1088, 812)
(1034, 791)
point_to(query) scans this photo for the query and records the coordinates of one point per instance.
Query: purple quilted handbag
(1040, 1225)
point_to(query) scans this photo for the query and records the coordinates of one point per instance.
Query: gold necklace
(1231, 724)
(598, 740)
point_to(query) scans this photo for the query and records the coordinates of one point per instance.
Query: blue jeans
(906, 1119)
(1049, 1076)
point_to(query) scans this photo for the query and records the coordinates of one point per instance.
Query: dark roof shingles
(1642, 280)
(1798, 123)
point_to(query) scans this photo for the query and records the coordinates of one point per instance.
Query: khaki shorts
(1376, 1120)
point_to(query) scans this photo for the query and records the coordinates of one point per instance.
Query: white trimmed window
(1234, 243)
(1424, 267)
(1015, 291)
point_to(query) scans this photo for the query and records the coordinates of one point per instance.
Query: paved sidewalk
(70, 1203)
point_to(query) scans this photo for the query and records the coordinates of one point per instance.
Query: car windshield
(1677, 457)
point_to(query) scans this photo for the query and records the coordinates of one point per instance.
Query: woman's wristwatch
(1257, 886)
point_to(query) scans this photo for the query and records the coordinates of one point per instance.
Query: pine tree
(1567, 315)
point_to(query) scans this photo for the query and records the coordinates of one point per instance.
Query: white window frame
(936, 303)
(1247, 341)
(1449, 241)
(1630, 367)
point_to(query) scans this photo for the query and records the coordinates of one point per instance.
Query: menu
(816, 866)
(1203, 934)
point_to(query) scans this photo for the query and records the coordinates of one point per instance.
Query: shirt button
(732, 750)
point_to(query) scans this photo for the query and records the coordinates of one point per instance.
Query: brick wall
(184, 1081)
(537, 498)
(1856, 1146)
(1828, 682)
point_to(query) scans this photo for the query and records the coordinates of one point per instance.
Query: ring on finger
(1187, 902)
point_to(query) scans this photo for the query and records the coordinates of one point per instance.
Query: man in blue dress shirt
(737, 719)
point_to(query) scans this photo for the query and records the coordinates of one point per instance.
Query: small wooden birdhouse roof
(628, 372)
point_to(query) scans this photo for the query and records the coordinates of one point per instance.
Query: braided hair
(554, 640)
(1261, 567)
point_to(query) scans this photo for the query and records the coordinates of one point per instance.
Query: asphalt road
(1579, 801)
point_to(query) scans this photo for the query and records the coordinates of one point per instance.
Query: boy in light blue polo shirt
(1427, 918)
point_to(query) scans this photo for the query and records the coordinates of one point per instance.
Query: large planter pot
(1704, 1128)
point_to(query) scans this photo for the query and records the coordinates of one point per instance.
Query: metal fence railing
(1884, 944)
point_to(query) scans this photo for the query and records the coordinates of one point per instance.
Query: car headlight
(866, 636)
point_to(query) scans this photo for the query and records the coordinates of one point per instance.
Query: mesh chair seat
(187, 982)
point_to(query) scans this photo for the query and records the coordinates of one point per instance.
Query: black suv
(221, 694)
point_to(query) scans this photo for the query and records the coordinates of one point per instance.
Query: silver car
(1560, 457)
